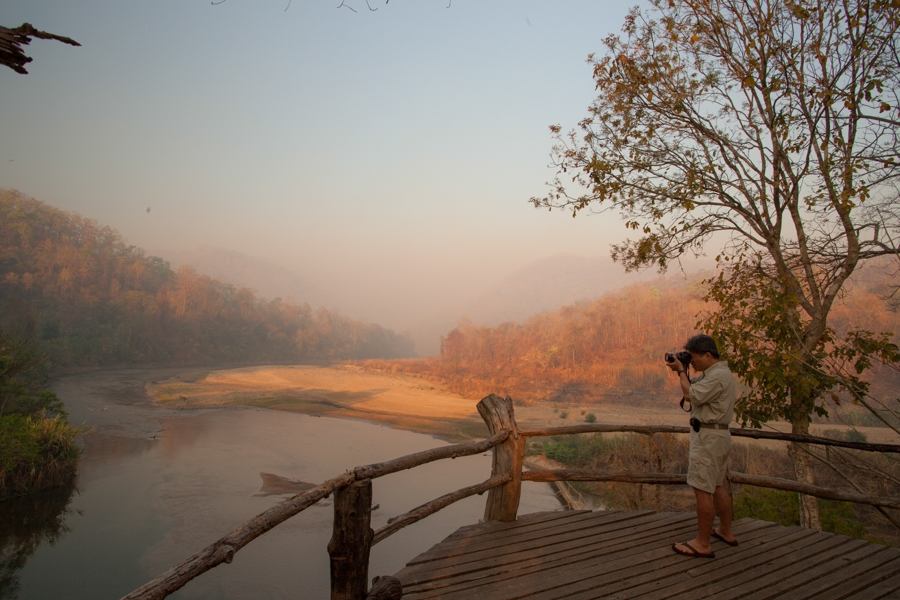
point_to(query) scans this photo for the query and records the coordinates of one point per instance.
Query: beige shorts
(708, 459)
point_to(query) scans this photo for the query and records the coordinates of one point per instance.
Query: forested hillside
(613, 347)
(89, 298)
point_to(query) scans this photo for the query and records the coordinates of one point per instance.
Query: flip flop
(719, 537)
(694, 553)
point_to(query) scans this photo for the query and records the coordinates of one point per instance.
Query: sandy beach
(403, 401)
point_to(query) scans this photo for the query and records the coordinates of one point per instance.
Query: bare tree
(12, 53)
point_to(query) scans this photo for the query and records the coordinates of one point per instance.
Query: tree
(23, 379)
(770, 126)
(11, 41)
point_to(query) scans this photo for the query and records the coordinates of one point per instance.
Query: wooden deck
(583, 554)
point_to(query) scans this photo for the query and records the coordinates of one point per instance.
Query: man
(711, 397)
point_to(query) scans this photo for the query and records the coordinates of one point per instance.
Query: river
(155, 485)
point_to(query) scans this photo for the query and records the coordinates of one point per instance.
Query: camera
(684, 357)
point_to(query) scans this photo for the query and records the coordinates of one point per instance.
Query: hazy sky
(385, 155)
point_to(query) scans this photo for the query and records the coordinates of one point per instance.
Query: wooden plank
(526, 521)
(673, 576)
(498, 530)
(664, 569)
(626, 542)
(533, 569)
(524, 541)
(791, 567)
(859, 586)
(502, 542)
(562, 556)
(750, 531)
(625, 556)
(856, 572)
(825, 575)
(422, 574)
(525, 580)
(886, 588)
(491, 527)
(504, 536)
(573, 537)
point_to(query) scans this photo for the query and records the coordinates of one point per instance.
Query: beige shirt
(713, 395)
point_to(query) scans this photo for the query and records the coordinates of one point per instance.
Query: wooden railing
(352, 535)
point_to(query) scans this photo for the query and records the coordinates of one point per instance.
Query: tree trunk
(503, 502)
(809, 506)
(351, 540)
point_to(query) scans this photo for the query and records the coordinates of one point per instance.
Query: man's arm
(685, 383)
(704, 390)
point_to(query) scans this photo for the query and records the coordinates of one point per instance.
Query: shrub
(847, 435)
(590, 418)
(36, 452)
(769, 505)
(784, 508)
(855, 435)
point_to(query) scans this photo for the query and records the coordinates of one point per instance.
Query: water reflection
(143, 506)
(29, 522)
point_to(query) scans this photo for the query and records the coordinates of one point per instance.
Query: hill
(611, 347)
(89, 298)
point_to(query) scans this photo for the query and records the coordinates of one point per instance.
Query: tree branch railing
(352, 536)
(777, 483)
(429, 508)
(750, 433)
(223, 550)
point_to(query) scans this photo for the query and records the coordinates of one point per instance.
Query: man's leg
(706, 512)
(722, 500)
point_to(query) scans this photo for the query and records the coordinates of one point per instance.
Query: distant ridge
(243, 270)
(89, 298)
(549, 283)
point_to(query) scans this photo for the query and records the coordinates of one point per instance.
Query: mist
(375, 163)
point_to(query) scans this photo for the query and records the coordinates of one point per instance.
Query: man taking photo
(711, 397)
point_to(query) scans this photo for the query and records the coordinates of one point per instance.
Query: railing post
(351, 540)
(503, 502)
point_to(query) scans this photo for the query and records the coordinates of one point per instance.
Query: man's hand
(675, 365)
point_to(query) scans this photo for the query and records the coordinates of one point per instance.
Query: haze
(378, 163)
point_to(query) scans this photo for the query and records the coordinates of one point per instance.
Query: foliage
(37, 446)
(769, 505)
(23, 377)
(772, 127)
(590, 418)
(573, 450)
(577, 353)
(91, 299)
(848, 435)
(667, 453)
(784, 508)
(36, 452)
(763, 328)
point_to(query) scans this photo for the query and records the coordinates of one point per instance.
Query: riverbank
(343, 390)
(401, 401)
(157, 483)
